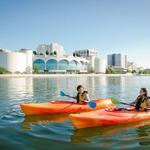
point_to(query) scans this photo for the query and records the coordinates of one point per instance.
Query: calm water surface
(56, 131)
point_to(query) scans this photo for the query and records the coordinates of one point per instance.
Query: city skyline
(109, 26)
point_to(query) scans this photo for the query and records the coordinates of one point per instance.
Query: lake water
(56, 131)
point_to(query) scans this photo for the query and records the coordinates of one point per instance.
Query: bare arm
(148, 102)
(74, 97)
(134, 102)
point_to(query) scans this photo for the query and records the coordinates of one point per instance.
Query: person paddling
(80, 90)
(141, 102)
(81, 97)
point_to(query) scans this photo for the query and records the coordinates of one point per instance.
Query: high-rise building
(117, 60)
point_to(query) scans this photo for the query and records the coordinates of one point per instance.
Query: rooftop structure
(86, 52)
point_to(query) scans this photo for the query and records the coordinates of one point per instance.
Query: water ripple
(56, 131)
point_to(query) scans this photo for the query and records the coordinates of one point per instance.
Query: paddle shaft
(90, 103)
(131, 105)
(70, 96)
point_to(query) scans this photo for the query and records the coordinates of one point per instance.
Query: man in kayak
(141, 102)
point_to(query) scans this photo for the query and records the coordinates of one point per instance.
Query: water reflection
(29, 120)
(57, 131)
(144, 135)
(85, 135)
(17, 87)
(49, 88)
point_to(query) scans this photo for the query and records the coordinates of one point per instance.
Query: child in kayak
(141, 102)
(82, 96)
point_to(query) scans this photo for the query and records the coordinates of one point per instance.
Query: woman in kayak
(141, 102)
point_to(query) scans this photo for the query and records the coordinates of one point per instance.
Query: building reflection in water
(18, 88)
(49, 88)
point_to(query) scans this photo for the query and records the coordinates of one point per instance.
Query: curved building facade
(54, 64)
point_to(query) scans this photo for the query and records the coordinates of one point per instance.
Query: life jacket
(79, 98)
(142, 103)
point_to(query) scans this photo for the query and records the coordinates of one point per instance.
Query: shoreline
(67, 75)
(61, 75)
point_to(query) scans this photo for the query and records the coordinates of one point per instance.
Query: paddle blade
(92, 104)
(115, 101)
(62, 93)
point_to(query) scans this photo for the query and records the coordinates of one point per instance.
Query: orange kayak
(105, 118)
(58, 107)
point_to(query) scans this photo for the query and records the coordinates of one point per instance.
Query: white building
(117, 60)
(54, 60)
(100, 65)
(50, 49)
(96, 64)
(42, 48)
(50, 58)
(16, 61)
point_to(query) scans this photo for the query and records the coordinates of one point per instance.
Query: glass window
(73, 65)
(39, 63)
(63, 65)
(51, 64)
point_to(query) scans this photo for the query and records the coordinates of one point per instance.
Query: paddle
(91, 104)
(116, 102)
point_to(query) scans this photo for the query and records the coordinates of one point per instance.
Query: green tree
(51, 53)
(36, 69)
(55, 53)
(133, 71)
(47, 52)
(34, 52)
(140, 72)
(110, 70)
(146, 71)
(3, 70)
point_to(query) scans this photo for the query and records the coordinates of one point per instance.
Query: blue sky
(107, 25)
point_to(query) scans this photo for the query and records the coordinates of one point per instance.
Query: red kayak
(106, 117)
(58, 107)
